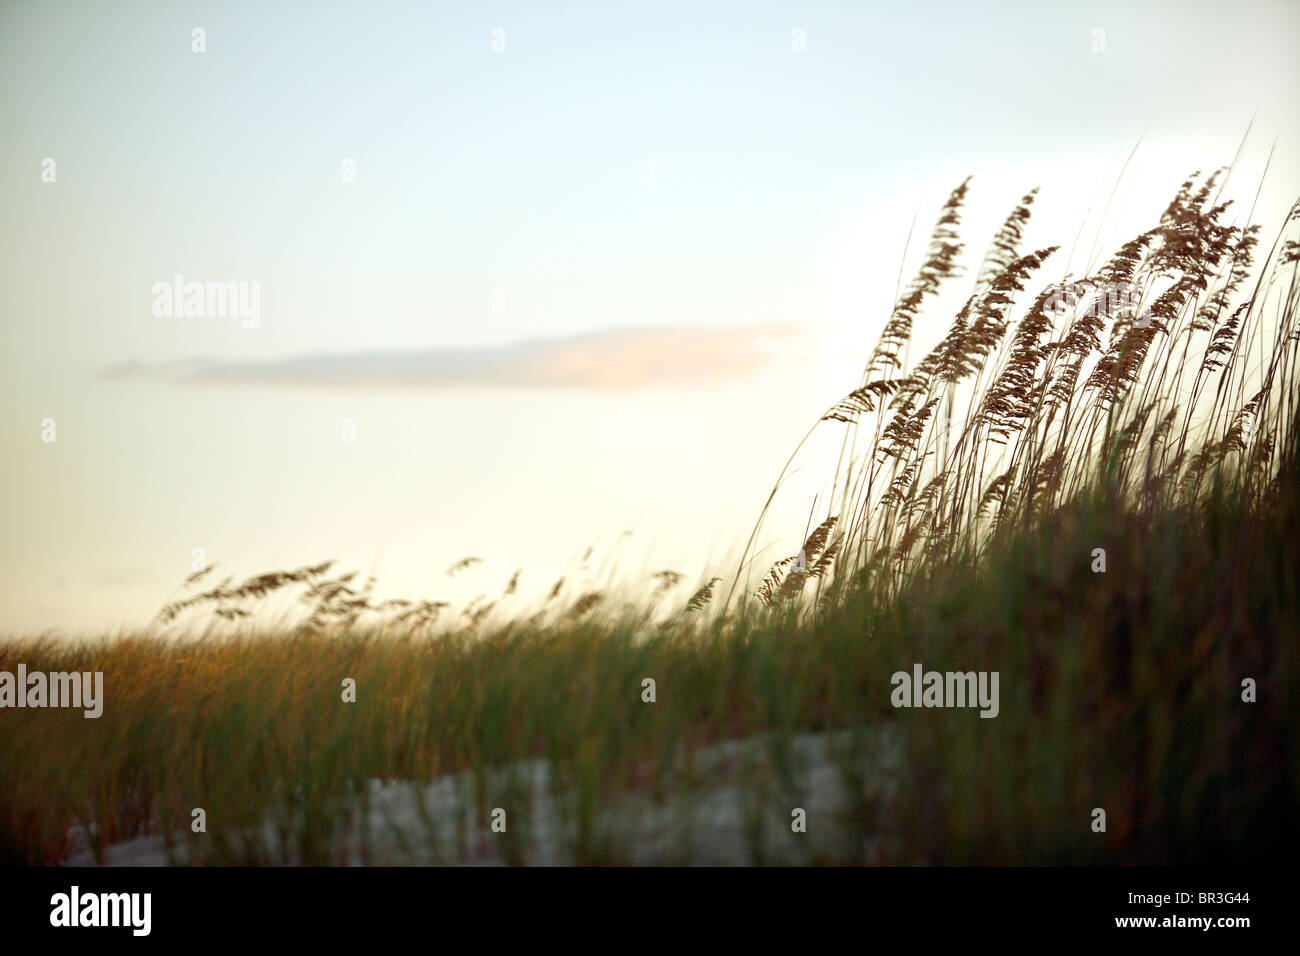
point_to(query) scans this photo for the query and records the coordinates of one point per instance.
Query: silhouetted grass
(1162, 429)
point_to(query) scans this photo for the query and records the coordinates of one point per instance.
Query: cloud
(620, 359)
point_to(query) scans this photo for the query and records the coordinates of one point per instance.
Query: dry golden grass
(957, 529)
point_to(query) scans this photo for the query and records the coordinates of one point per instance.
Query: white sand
(730, 807)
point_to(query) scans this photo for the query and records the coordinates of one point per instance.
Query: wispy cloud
(619, 359)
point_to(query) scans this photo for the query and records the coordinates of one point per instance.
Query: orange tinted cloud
(619, 359)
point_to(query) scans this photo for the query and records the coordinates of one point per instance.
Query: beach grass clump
(1089, 485)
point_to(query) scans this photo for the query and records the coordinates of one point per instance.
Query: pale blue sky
(783, 186)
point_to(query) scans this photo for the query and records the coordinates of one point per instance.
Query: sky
(519, 278)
